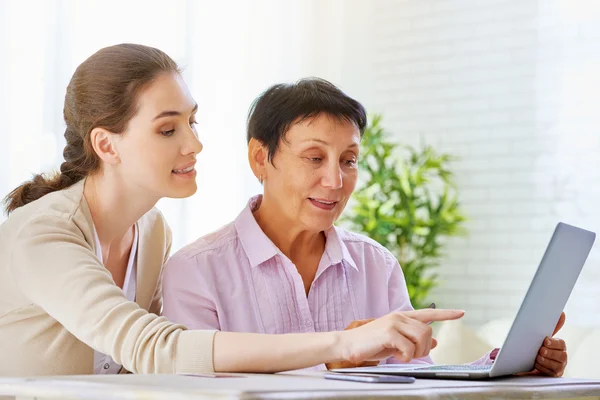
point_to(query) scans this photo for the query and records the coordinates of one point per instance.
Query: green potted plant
(406, 200)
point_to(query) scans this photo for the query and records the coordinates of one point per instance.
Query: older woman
(282, 266)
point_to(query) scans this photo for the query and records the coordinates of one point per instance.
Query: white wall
(512, 87)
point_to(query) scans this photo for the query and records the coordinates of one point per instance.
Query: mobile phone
(369, 378)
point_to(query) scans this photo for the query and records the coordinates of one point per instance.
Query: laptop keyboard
(455, 368)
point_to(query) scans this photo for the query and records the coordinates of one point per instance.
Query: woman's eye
(315, 159)
(167, 133)
(194, 122)
(350, 163)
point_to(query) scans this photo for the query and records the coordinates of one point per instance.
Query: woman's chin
(319, 224)
(183, 192)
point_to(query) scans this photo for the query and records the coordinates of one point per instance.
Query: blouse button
(106, 366)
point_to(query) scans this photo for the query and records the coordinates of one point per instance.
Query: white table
(286, 386)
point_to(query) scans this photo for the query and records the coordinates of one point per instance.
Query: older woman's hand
(552, 356)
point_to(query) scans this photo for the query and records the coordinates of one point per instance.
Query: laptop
(537, 317)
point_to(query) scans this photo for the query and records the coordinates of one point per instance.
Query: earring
(260, 179)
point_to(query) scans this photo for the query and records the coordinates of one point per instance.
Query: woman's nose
(333, 177)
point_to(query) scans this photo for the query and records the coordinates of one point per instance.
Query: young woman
(82, 252)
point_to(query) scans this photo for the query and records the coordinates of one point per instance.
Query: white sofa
(459, 343)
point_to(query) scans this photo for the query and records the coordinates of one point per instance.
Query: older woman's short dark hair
(284, 104)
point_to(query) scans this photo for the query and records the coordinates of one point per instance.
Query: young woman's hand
(348, 364)
(403, 335)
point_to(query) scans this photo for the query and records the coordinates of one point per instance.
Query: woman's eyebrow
(172, 113)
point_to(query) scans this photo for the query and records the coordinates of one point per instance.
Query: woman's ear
(258, 158)
(103, 144)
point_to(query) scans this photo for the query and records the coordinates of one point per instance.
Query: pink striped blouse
(236, 279)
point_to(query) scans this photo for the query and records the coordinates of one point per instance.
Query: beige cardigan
(58, 303)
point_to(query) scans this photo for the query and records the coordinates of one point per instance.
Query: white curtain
(230, 50)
